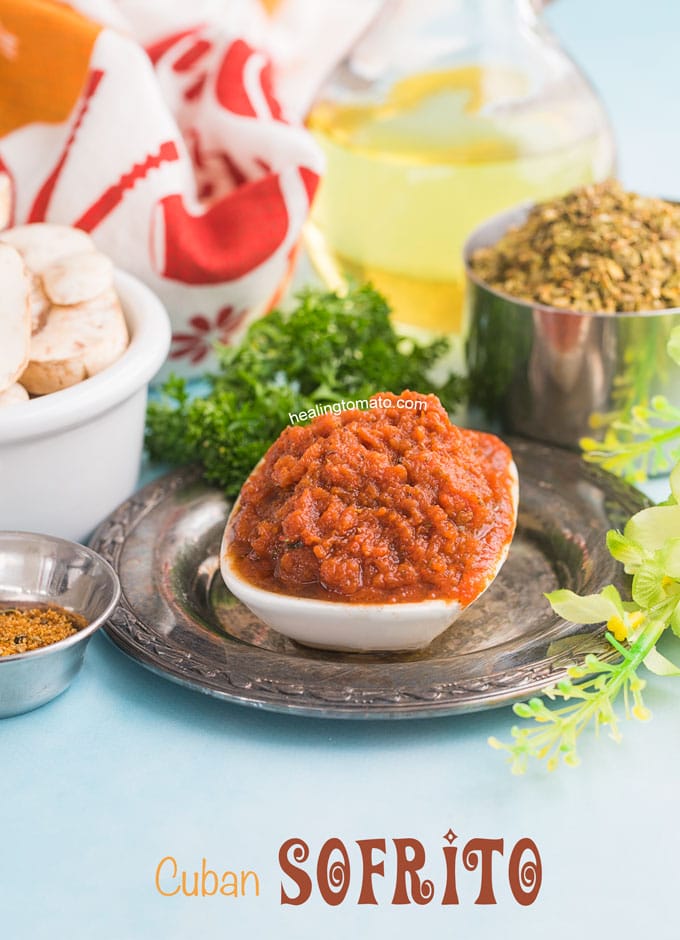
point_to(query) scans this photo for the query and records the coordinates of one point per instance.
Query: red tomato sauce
(385, 505)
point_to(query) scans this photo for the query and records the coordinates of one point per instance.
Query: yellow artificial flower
(618, 628)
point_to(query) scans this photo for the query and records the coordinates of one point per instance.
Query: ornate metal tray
(177, 618)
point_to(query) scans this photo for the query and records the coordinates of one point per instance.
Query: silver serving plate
(177, 618)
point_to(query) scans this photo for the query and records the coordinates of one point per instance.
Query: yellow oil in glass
(408, 179)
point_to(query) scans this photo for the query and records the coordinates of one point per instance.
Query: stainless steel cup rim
(488, 233)
(94, 625)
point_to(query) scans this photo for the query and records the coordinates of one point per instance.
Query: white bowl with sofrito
(372, 529)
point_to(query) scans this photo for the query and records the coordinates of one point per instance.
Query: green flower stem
(649, 547)
(595, 697)
(624, 453)
(635, 438)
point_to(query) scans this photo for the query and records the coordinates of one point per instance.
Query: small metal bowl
(559, 375)
(44, 570)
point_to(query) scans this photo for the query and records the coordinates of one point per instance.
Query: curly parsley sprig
(330, 347)
(649, 549)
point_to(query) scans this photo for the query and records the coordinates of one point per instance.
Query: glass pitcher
(445, 113)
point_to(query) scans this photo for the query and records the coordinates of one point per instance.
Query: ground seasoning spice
(22, 630)
(599, 249)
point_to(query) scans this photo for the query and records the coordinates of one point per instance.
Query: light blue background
(126, 768)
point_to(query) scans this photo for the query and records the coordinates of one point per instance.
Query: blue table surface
(126, 768)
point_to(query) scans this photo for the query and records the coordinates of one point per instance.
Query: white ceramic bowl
(350, 627)
(69, 458)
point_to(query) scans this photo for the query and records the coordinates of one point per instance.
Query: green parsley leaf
(329, 348)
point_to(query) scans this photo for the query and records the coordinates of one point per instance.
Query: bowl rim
(315, 603)
(80, 635)
(513, 216)
(150, 339)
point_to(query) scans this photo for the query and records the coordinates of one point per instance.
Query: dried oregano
(597, 249)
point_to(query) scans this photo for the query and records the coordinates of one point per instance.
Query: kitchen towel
(157, 128)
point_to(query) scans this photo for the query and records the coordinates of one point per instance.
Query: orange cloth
(47, 49)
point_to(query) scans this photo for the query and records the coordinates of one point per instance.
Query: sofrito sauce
(384, 505)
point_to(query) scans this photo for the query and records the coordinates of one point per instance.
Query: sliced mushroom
(39, 303)
(13, 395)
(41, 243)
(15, 317)
(75, 278)
(76, 342)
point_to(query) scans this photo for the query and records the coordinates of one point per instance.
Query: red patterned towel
(175, 155)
